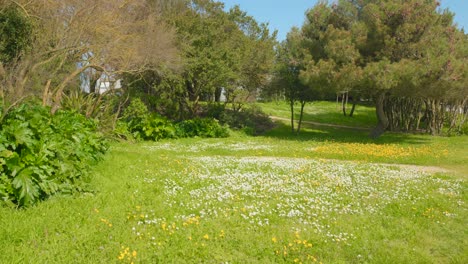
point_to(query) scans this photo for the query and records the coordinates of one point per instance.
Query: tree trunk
(291, 103)
(45, 94)
(381, 117)
(344, 102)
(352, 108)
(301, 115)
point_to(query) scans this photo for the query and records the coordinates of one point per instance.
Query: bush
(143, 126)
(104, 108)
(201, 127)
(151, 128)
(251, 120)
(135, 110)
(43, 154)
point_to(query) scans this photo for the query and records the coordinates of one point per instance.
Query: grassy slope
(324, 112)
(140, 182)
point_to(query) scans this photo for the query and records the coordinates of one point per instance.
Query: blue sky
(283, 14)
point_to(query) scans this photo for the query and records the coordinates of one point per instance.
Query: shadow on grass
(362, 119)
(364, 116)
(345, 135)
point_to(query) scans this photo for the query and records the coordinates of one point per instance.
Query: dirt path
(322, 124)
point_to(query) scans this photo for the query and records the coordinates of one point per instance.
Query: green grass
(324, 112)
(349, 144)
(278, 198)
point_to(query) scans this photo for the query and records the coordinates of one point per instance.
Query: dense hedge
(43, 154)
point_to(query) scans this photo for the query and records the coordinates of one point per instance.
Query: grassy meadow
(329, 195)
(324, 112)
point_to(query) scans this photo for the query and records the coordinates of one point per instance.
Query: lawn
(324, 112)
(323, 196)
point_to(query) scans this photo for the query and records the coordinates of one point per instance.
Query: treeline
(407, 56)
(172, 54)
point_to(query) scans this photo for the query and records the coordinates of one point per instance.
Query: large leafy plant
(43, 154)
(144, 126)
(201, 127)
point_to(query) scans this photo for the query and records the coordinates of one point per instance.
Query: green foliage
(201, 127)
(15, 33)
(104, 108)
(144, 126)
(43, 154)
(252, 120)
(155, 127)
(136, 110)
(218, 48)
(151, 127)
(379, 49)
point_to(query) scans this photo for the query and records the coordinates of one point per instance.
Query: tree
(129, 37)
(15, 32)
(335, 61)
(289, 63)
(406, 55)
(255, 46)
(399, 62)
(219, 49)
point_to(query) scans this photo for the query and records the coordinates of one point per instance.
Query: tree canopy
(408, 56)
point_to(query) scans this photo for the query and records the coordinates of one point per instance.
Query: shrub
(214, 110)
(104, 108)
(143, 126)
(251, 120)
(201, 127)
(43, 154)
(135, 110)
(152, 127)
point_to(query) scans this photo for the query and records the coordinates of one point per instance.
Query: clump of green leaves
(145, 126)
(15, 33)
(43, 154)
(151, 127)
(201, 127)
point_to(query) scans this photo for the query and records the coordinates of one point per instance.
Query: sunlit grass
(249, 200)
(324, 112)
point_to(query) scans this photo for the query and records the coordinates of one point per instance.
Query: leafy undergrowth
(244, 200)
(138, 123)
(43, 154)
